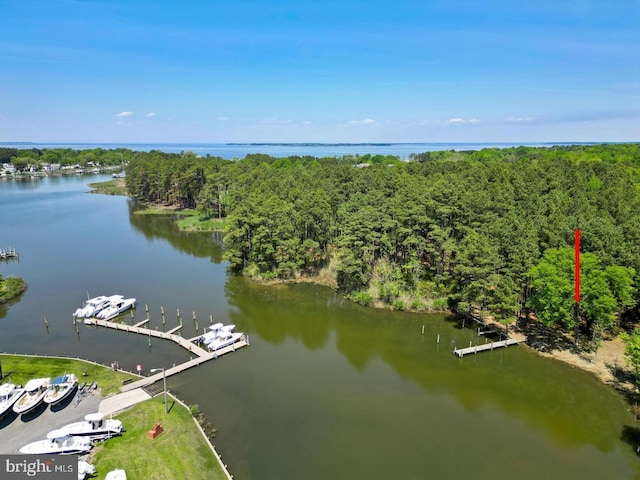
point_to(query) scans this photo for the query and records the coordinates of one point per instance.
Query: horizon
(98, 71)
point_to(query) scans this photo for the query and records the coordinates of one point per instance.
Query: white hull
(95, 427)
(224, 341)
(59, 391)
(9, 394)
(58, 445)
(116, 475)
(116, 308)
(33, 396)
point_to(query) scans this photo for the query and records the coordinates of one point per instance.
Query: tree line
(487, 230)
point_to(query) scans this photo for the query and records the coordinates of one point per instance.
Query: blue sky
(319, 71)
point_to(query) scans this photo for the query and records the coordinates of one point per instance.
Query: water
(233, 151)
(327, 389)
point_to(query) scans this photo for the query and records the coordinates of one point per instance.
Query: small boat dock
(8, 254)
(486, 346)
(201, 355)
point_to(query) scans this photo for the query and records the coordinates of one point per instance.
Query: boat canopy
(59, 380)
(6, 389)
(94, 417)
(216, 326)
(54, 434)
(35, 383)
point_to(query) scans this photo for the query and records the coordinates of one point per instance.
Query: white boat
(95, 427)
(94, 306)
(58, 443)
(215, 331)
(9, 393)
(117, 474)
(89, 306)
(35, 390)
(85, 470)
(224, 340)
(116, 308)
(61, 387)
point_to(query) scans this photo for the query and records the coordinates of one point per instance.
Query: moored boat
(35, 390)
(116, 308)
(9, 393)
(224, 340)
(61, 387)
(58, 443)
(95, 427)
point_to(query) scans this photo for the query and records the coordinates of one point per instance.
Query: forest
(489, 230)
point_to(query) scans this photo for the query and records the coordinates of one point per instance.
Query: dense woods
(487, 229)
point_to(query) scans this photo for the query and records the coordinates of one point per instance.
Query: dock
(201, 355)
(7, 254)
(484, 347)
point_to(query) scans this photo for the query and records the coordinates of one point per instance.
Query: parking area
(19, 430)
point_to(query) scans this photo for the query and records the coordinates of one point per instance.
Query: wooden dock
(486, 346)
(201, 355)
(7, 254)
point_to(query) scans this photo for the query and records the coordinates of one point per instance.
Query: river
(327, 389)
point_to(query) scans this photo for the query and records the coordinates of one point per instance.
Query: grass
(20, 369)
(112, 187)
(11, 287)
(198, 223)
(177, 453)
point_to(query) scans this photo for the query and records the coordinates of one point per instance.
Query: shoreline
(610, 366)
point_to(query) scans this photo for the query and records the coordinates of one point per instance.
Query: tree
(632, 350)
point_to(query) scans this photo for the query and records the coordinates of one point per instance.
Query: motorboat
(9, 393)
(116, 308)
(35, 390)
(60, 388)
(95, 427)
(215, 331)
(224, 340)
(85, 470)
(117, 474)
(58, 442)
(95, 305)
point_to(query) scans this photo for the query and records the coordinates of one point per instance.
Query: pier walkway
(201, 355)
(484, 347)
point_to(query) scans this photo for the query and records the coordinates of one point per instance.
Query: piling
(161, 309)
(211, 319)
(46, 322)
(438, 339)
(422, 329)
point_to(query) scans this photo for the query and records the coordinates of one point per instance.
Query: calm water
(328, 389)
(231, 151)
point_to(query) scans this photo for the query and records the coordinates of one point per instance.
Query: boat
(85, 470)
(117, 474)
(61, 387)
(9, 393)
(215, 331)
(58, 442)
(35, 390)
(116, 308)
(95, 305)
(224, 340)
(95, 427)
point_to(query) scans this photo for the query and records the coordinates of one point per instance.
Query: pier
(7, 254)
(484, 347)
(201, 355)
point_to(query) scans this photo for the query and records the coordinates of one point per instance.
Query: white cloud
(151, 114)
(124, 114)
(222, 118)
(460, 121)
(518, 119)
(366, 121)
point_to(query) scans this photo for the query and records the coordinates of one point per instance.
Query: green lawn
(180, 452)
(20, 369)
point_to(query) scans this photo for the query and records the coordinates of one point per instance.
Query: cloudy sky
(319, 71)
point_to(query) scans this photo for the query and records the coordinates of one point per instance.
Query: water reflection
(198, 244)
(570, 405)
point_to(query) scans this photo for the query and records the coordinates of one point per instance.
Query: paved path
(121, 401)
(17, 430)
